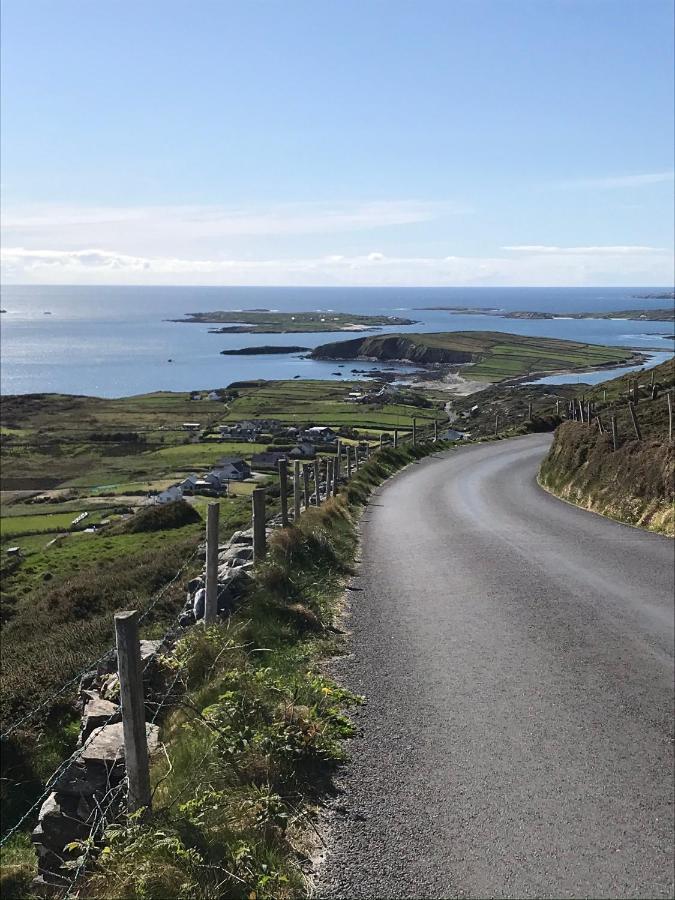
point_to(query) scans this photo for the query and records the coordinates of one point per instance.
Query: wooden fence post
(317, 482)
(604, 395)
(414, 432)
(669, 395)
(348, 454)
(381, 439)
(133, 712)
(259, 532)
(529, 411)
(296, 491)
(496, 424)
(336, 476)
(435, 430)
(395, 438)
(338, 462)
(283, 490)
(557, 407)
(211, 593)
(600, 426)
(636, 424)
(615, 433)
(305, 481)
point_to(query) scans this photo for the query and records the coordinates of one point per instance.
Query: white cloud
(186, 224)
(610, 250)
(618, 181)
(554, 266)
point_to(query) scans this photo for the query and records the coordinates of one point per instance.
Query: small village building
(231, 470)
(320, 434)
(188, 484)
(169, 495)
(304, 450)
(268, 461)
(191, 426)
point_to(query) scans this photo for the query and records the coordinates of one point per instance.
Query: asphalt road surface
(517, 657)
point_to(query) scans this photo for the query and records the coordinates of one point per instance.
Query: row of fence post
(127, 623)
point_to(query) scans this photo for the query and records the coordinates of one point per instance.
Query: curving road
(517, 657)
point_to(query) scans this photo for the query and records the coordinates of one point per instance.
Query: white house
(213, 395)
(231, 470)
(168, 495)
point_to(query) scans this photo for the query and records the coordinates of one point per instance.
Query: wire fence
(92, 664)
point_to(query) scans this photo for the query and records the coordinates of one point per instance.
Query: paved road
(517, 656)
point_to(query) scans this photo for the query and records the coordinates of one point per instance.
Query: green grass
(13, 526)
(633, 483)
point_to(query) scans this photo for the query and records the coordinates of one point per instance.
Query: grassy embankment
(634, 483)
(487, 355)
(251, 745)
(268, 322)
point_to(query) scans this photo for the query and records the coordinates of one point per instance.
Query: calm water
(114, 341)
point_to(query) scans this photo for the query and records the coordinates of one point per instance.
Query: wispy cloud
(607, 182)
(531, 266)
(199, 222)
(608, 250)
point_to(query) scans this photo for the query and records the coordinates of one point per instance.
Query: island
(263, 349)
(489, 355)
(259, 321)
(645, 315)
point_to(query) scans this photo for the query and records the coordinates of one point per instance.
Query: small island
(259, 321)
(263, 350)
(644, 315)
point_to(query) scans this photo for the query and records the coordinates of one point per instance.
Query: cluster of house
(214, 482)
(385, 392)
(252, 430)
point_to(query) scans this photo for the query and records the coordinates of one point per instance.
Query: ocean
(116, 341)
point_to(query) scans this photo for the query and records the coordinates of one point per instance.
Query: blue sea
(116, 341)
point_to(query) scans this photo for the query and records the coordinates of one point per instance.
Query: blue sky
(338, 142)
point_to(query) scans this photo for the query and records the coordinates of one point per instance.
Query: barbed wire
(93, 663)
(53, 778)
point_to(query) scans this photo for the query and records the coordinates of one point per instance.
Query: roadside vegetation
(634, 483)
(256, 731)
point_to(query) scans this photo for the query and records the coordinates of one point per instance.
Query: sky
(337, 142)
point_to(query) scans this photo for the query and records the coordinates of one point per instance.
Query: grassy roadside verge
(255, 732)
(633, 484)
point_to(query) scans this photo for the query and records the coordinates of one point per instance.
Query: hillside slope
(634, 483)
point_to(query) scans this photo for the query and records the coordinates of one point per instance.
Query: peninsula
(263, 350)
(489, 355)
(263, 321)
(645, 315)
